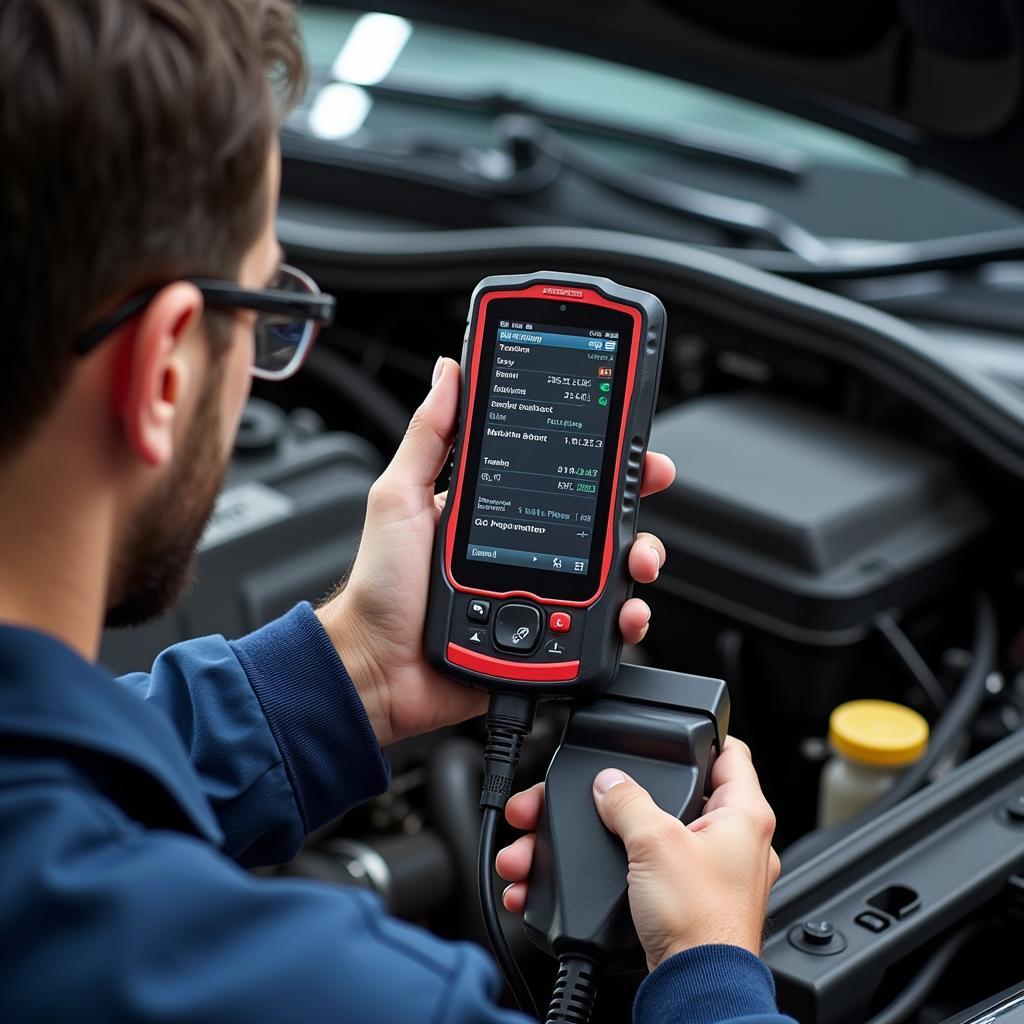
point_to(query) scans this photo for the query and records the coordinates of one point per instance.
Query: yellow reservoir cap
(878, 732)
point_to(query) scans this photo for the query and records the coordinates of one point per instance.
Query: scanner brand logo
(569, 293)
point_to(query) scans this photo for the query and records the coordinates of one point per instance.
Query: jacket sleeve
(709, 985)
(157, 926)
(274, 729)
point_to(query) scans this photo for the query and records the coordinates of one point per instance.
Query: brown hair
(134, 136)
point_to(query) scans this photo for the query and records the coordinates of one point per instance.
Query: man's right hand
(689, 885)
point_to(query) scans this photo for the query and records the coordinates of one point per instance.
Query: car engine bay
(841, 527)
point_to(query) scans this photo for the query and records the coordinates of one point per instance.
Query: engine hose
(952, 724)
(453, 791)
(363, 394)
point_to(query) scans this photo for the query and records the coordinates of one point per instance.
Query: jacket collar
(49, 695)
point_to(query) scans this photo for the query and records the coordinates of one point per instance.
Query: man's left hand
(376, 622)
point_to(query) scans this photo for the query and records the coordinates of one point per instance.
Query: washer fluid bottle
(872, 742)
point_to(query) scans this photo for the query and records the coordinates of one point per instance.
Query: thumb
(421, 455)
(627, 809)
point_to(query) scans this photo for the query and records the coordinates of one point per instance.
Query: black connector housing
(662, 728)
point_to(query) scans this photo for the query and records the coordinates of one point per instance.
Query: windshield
(847, 190)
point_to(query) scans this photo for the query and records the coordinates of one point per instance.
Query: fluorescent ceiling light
(371, 49)
(339, 110)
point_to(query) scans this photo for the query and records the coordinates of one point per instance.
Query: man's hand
(376, 621)
(689, 885)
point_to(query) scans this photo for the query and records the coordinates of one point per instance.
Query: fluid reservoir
(872, 742)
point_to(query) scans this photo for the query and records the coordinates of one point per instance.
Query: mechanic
(139, 153)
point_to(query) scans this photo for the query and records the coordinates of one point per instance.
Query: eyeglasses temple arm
(88, 341)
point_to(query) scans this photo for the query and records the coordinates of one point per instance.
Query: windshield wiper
(741, 217)
(798, 252)
(538, 151)
(705, 144)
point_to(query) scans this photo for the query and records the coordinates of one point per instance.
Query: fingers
(659, 472)
(514, 897)
(634, 620)
(523, 810)
(628, 810)
(735, 769)
(513, 863)
(646, 557)
(424, 449)
(774, 867)
(736, 789)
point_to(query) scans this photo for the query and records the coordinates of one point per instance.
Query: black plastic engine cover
(803, 524)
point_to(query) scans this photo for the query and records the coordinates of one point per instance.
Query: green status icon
(606, 386)
(603, 400)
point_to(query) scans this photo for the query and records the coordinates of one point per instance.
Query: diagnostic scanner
(559, 382)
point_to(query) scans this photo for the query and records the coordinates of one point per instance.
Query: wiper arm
(538, 152)
(529, 126)
(800, 254)
(733, 216)
(702, 144)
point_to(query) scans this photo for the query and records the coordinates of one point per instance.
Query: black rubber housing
(601, 640)
(664, 729)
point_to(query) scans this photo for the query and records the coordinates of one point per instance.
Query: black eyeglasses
(291, 314)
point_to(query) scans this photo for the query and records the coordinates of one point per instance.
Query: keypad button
(478, 611)
(555, 649)
(560, 622)
(517, 628)
(472, 636)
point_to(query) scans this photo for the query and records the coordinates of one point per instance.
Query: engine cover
(803, 524)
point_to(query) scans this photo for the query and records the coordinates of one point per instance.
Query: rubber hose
(921, 985)
(453, 792)
(373, 402)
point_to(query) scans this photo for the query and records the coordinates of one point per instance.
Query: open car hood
(937, 81)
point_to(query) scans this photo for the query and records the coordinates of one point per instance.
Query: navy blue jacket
(129, 809)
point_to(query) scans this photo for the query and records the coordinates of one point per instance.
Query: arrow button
(478, 611)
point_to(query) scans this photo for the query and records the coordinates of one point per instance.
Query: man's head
(139, 149)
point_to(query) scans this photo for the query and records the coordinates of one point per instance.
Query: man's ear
(157, 370)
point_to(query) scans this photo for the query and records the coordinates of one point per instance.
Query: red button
(560, 622)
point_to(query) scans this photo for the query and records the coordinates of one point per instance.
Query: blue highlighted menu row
(529, 559)
(512, 336)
